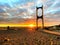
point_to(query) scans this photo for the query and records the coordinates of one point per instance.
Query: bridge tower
(39, 17)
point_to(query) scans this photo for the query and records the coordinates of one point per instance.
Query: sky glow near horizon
(18, 11)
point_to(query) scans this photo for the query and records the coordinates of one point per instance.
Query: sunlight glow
(31, 25)
(17, 25)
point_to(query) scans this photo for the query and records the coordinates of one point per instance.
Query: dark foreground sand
(27, 37)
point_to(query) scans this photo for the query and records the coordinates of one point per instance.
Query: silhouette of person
(8, 28)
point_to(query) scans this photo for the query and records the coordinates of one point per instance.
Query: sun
(31, 25)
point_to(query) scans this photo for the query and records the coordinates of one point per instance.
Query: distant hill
(55, 27)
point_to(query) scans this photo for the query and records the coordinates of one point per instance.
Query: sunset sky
(23, 12)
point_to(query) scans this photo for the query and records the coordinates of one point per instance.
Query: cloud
(15, 11)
